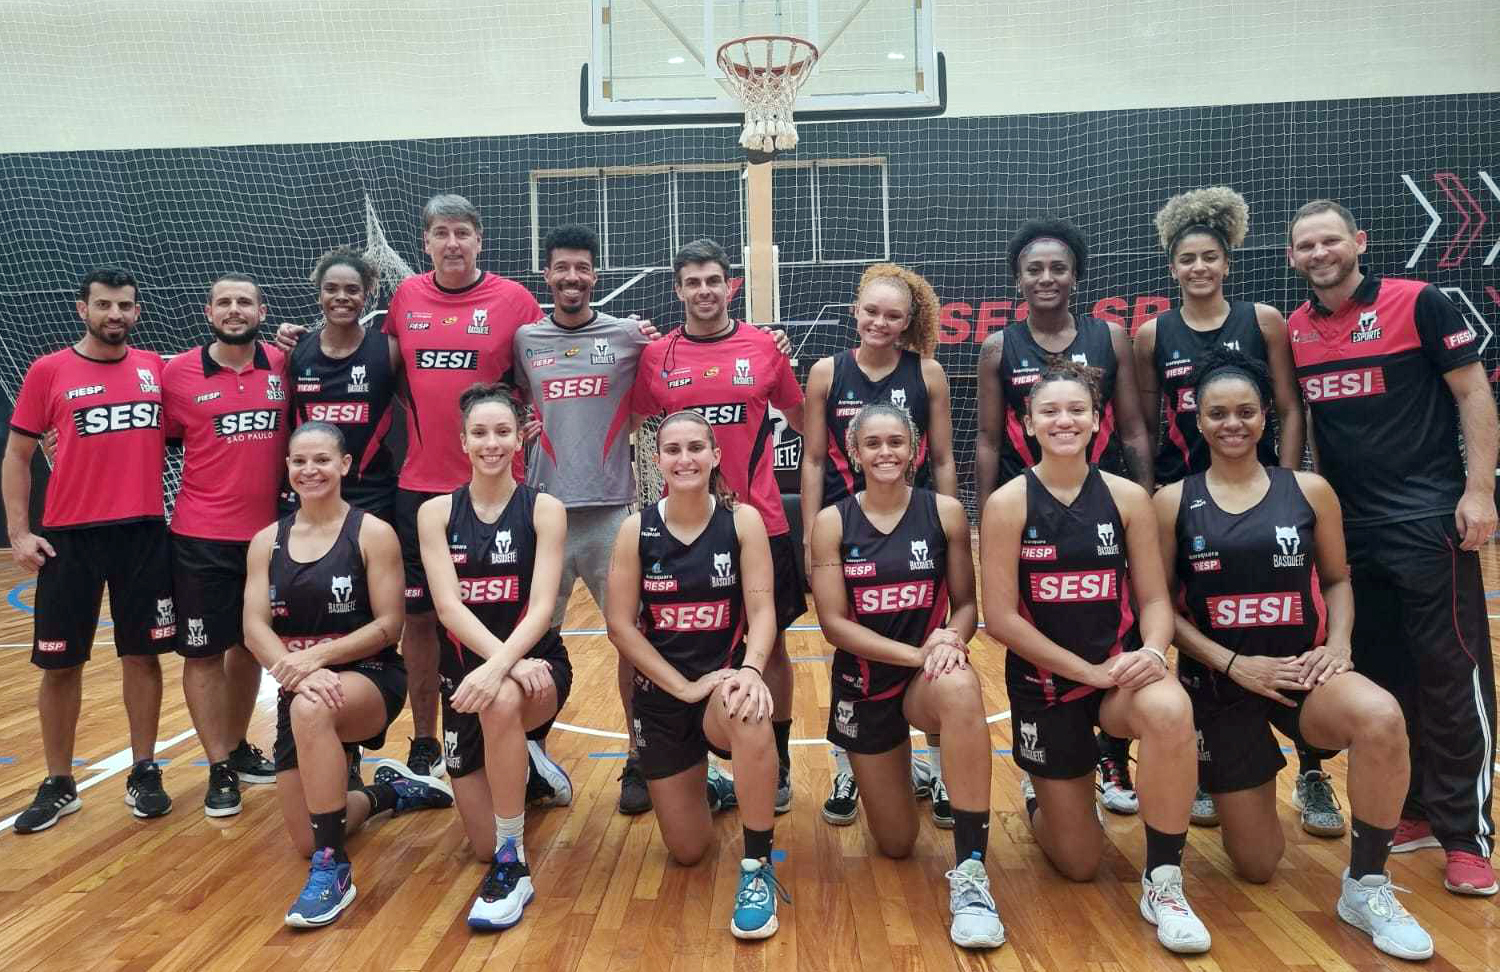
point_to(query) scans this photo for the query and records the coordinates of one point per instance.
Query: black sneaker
(251, 765)
(942, 808)
(413, 792)
(354, 754)
(783, 789)
(425, 757)
(144, 793)
(842, 805)
(634, 797)
(56, 797)
(223, 796)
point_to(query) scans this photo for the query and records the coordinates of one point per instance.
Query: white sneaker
(504, 893)
(976, 922)
(553, 774)
(1163, 904)
(922, 778)
(1115, 788)
(1370, 905)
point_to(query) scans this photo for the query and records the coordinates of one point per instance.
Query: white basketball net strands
(766, 72)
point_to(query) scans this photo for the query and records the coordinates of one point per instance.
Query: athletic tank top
(897, 585)
(692, 609)
(325, 599)
(1178, 350)
(1248, 579)
(851, 390)
(494, 563)
(355, 394)
(1021, 364)
(1074, 585)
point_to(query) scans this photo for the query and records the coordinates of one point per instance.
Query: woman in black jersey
(323, 608)
(895, 315)
(690, 606)
(493, 552)
(345, 375)
(1047, 258)
(1263, 624)
(893, 580)
(1069, 555)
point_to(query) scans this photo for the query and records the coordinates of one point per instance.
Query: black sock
(757, 844)
(1113, 746)
(971, 834)
(382, 797)
(1163, 849)
(1369, 846)
(783, 733)
(1031, 807)
(1308, 762)
(328, 831)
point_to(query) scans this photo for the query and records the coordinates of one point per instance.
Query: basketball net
(765, 73)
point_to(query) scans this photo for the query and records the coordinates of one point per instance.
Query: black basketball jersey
(1021, 363)
(494, 563)
(1178, 350)
(353, 393)
(692, 608)
(897, 585)
(851, 390)
(324, 599)
(1248, 579)
(1073, 582)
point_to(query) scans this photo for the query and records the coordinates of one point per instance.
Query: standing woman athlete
(1067, 552)
(492, 550)
(323, 607)
(893, 580)
(689, 574)
(1198, 231)
(1264, 626)
(895, 315)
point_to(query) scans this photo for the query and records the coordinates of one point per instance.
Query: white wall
(79, 74)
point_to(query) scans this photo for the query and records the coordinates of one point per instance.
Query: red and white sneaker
(1469, 874)
(1412, 835)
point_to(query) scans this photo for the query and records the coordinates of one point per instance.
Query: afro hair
(1219, 208)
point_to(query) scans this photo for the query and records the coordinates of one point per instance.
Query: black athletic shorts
(1056, 742)
(869, 726)
(408, 501)
(463, 736)
(209, 577)
(1236, 749)
(667, 732)
(789, 585)
(389, 679)
(135, 560)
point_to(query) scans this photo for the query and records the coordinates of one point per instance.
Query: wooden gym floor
(103, 890)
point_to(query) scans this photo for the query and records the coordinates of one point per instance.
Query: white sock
(935, 760)
(512, 827)
(841, 761)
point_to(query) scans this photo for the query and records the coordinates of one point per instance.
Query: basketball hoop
(766, 71)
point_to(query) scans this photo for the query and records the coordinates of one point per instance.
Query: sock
(513, 828)
(935, 757)
(1030, 807)
(1113, 746)
(1163, 849)
(328, 831)
(382, 797)
(1308, 762)
(783, 732)
(971, 834)
(757, 844)
(841, 761)
(1369, 846)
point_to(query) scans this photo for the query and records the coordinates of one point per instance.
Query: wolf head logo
(1028, 735)
(196, 635)
(1106, 534)
(1288, 539)
(919, 550)
(742, 367)
(481, 314)
(722, 564)
(357, 375)
(898, 397)
(165, 613)
(502, 542)
(343, 588)
(1082, 359)
(601, 346)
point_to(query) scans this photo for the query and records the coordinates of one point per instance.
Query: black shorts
(1056, 742)
(389, 679)
(667, 732)
(868, 725)
(135, 560)
(209, 577)
(408, 501)
(1236, 750)
(463, 736)
(789, 585)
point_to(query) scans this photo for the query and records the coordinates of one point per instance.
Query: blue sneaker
(505, 893)
(755, 902)
(413, 790)
(329, 890)
(976, 922)
(721, 795)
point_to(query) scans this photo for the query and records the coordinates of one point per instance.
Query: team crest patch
(602, 353)
(342, 590)
(921, 556)
(723, 570)
(148, 381)
(1107, 546)
(843, 717)
(504, 552)
(1029, 745)
(357, 382)
(274, 391)
(1289, 543)
(479, 323)
(742, 375)
(1368, 328)
(166, 619)
(196, 636)
(898, 398)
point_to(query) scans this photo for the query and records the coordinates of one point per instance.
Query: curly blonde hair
(921, 334)
(1218, 209)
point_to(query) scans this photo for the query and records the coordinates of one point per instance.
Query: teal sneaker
(755, 902)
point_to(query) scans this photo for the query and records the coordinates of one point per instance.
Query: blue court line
(619, 755)
(1492, 594)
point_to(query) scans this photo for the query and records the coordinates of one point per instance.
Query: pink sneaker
(1412, 835)
(1469, 874)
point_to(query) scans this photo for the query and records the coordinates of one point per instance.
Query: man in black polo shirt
(1391, 373)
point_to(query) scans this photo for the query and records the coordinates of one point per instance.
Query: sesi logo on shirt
(702, 616)
(123, 417)
(250, 420)
(890, 598)
(1074, 585)
(1255, 610)
(1356, 383)
(732, 413)
(489, 590)
(354, 413)
(434, 359)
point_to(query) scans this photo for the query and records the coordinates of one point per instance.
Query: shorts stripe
(1485, 781)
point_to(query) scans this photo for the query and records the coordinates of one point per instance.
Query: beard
(244, 337)
(99, 334)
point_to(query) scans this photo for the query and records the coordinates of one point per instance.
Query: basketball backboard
(653, 61)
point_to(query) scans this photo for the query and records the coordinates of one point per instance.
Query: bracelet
(1231, 664)
(753, 669)
(1157, 652)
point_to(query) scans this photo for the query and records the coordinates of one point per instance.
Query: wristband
(1231, 664)
(1159, 656)
(753, 669)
